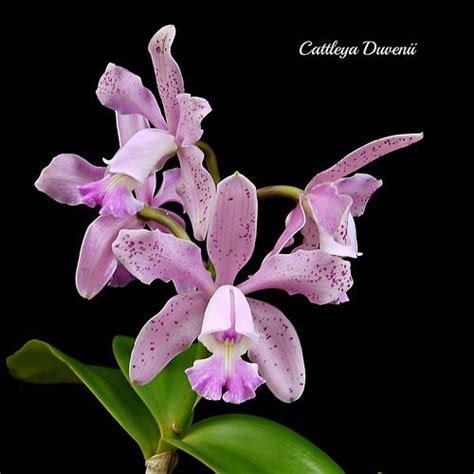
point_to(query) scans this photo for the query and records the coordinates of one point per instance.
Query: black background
(387, 382)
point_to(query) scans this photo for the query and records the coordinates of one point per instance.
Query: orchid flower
(219, 313)
(97, 264)
(326, 209)
(150, 148)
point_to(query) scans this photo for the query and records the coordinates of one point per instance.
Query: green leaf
(243, 443)
(39, 362)
(168, 395)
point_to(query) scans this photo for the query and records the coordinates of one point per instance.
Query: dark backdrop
(386, 384)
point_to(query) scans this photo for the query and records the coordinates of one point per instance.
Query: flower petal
(310, 235)
(61, 178)
(97, 263)
(146, 191)
(196, 189)
(123, 91)
(128, 125)
(320, 277)
(166, 335)
(146, 152)
(330, 210)
(360, 188)
(149, 255)
(363, 156)
(278, 353)
(121, 277)
(295, 222)
(167, 191)
(232, 227)
(168, 75)
(192, 111)
(329, 245)
(240, 379)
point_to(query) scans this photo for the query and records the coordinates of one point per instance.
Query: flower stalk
(280, 191)
(162, 217)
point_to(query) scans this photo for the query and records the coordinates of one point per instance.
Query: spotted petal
(166, 335)
(363, 156)
(123, 91)
(192, 111)
(232, 227)
(320, 277)
(278, 353)
(196, 189)
(151, 255)
(168, 75)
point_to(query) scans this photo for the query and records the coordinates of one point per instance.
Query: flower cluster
(212, 304)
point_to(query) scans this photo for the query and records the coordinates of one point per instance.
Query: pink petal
(62, 177)
(232, 227)
(168, 75)
(360, 188)
(146, 191)
(192, 111)
(228, 311)
(150, 255)
(121, 277)
(210, 376)
(114, 194)
(363, 156)
(295, 221)
(196, 189)
(167, 191)
(128, 125)
(123, 91)
(166, 335)
(330, 210)
(97, 263)
(146, 152)
(310, 235)
(320, 277)
(329, 245)
(278, 353)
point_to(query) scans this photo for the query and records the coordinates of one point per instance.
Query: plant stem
(162, 217)
(211, 161)
(280, 191)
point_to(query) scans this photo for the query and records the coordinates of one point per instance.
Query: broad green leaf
(242, 443)
(39, 362)
(167, 394)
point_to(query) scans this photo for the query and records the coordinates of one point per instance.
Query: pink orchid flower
(332, 200)
(150, 148)
(97, 265)
(219, 313)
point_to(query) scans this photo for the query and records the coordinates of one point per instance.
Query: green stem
(162, 217)
(211, 160)
(280, 191)
(188, 402)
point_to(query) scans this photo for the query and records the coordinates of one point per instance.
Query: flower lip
(113, 193)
